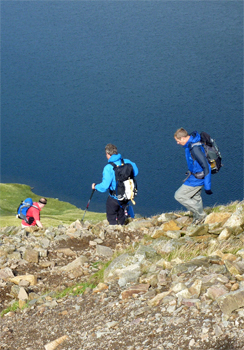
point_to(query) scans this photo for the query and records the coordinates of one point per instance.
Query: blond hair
(181, 132)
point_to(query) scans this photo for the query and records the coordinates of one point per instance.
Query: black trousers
(115, 211)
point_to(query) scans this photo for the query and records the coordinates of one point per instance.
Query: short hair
(43, 201)
(111, 149)
(181, 132)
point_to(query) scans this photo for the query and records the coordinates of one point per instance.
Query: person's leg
(111, 209)
(121, 212)
(191, 198)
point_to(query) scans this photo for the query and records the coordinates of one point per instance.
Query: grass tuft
(76, 289)
(231, 207)
(13, 307)
(190, 251)
(98, 276)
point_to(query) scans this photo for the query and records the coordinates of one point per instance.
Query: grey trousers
(190, 197)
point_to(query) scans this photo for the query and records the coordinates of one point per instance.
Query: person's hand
(208, 192)
(93, 186)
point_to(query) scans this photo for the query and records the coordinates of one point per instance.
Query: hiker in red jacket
(33, 214)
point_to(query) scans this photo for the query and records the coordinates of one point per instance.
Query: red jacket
(34, 214)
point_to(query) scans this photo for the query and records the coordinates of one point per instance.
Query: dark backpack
(212, 152)
(23, 208)
(126, 187)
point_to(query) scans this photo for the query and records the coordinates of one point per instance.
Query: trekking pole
(88, 204)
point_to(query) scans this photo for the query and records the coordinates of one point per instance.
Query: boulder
(225, 234)
(137, 289)
(200, 230)
(237, 218)
(158, 298)
(216, 291)
(166, 217)
(23, 294)
(6, 273)
(125, 267)
(219, 218)
(77, 263)
(231, 301)
(31, 278)
(170, 226)
(31, 255)
(233, 268)
(104, 251)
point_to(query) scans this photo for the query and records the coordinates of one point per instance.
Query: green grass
(98, 276)
(13, 307)
(76, 289)
(231, 207)
(54, 213)
(189, 251)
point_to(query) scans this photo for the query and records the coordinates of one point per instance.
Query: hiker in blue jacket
(199, 174)
(114, 208)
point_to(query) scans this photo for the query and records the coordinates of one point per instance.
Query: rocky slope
(170, 285)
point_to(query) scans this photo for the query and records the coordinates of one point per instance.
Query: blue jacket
(108, 181)
(197, 162)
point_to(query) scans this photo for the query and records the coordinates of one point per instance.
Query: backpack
(126, 187)
(23, 208)
(212, 152)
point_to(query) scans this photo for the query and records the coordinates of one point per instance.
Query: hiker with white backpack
(203, 159)
(119, 177)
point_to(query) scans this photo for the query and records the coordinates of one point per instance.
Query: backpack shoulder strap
(198, 154)
(34, 206)
(191, 145)
(115, 166)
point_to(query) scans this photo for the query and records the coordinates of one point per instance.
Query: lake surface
(76, 75)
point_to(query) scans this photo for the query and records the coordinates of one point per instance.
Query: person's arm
(108, 173)
(36, 216)
(38, 223)
(200, 157)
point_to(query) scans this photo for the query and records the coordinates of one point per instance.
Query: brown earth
(103, 320)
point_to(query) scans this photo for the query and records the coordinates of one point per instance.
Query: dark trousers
(115, 211)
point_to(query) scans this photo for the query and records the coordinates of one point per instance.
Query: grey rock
(45, 242)
(74, 264)
(104, 251)
(31, 256)
(125, 266)
(199, 230)
(22, 294)
(146, 251)
(231, 301)
(5, 273)
(165, 246)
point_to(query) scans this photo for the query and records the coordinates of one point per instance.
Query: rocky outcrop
(175, 284)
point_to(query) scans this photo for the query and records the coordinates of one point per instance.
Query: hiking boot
(198, 220)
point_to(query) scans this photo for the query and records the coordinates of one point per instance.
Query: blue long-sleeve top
(108, 180)
(197, 162)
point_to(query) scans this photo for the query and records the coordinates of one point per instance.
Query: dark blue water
(76, 75)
